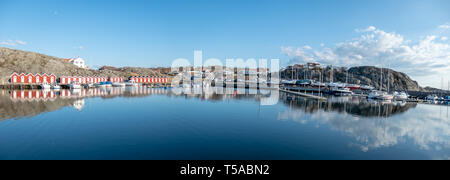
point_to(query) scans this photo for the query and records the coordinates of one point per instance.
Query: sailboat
(380, 95)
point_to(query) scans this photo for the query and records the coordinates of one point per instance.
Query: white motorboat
(131, 83)
(45, 86)
(290, 82)
(75, 85)
(336, 85)
(400, 96)
(118, 84)
(366, 87)
(342, 92)
(318, 84)
(380, 95)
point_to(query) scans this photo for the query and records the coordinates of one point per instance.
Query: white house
(80, 62)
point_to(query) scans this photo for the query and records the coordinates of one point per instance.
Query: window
(37, 79)
(14, 79)
(30, 79)
(52, 79)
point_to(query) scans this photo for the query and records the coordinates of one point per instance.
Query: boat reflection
(352, 105)
(376, 124)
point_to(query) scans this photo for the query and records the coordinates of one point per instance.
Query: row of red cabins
(51, 79)
(149, 79)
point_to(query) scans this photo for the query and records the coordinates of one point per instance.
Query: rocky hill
(365, 75)
(29, 62)
(137, 70)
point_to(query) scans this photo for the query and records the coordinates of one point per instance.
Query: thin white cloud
(426, 59)
(79, 48)
(19, 42)
(369, 29)
(13, 43)
(445, 26)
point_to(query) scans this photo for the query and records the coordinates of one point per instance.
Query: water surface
(144, 123)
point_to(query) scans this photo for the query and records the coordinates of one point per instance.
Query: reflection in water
(18, 104)
(351, 105)
(375, 124)
(370, 124)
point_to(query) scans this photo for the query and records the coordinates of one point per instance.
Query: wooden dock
(304, 94)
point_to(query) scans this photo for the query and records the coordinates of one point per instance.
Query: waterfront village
(307, 80)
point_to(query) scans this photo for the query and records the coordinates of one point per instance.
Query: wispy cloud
(430, 56)
(79, 48)
(445, 26)
(13, 43)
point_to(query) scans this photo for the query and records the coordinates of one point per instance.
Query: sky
(407, 35)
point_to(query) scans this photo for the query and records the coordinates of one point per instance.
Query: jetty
(304, 94)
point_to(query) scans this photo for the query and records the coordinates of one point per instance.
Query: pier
(304, 94)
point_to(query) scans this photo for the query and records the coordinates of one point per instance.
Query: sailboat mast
(346, 79)
(381, 79)
(332, 75)
(389, 78)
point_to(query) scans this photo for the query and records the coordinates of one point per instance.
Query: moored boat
(131, 83)
(367, 88)
(342, 92)
(45, 86)
(118, 84)
(447, 98)
(75, 85)
(318, 84)
(101, 85)
(380, 95)
(432, 98)
(108, 84)
(56, 87)
(353, 86)
(401, 96)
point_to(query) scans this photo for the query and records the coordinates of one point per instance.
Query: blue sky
(155, 32)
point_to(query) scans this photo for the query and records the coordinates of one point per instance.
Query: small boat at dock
(342, 92)
(432, 98)
(56, 87)
(75, 85)
(89, 85)
(131, 83)
(45, 86)
(367, 88)
(101, 85)
(117, 84)
(401, 96)
(380, 95)
(108, 84)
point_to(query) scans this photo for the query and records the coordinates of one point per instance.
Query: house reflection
(18, 104)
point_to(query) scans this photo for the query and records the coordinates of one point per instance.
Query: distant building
(313, 65)
(80, 62)
(299, 66)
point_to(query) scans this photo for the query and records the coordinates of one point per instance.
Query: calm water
(156, 124)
